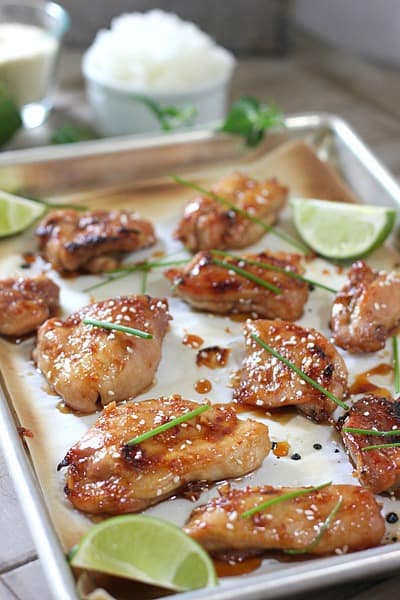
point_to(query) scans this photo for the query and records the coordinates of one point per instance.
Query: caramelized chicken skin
(378, 469)
(25, 303)
(208, 286)
(290, 524)
(367, 309)
(91, 241)
(266, 381)
(208, 224)
(88, 365)
(105, 475)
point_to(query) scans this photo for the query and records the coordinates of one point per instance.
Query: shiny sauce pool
(363, 385)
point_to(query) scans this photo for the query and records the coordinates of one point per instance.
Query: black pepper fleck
(296, 456)
(337, 450)
(394, 539)
(392, 517)
(274, 445)
(25, 266)
(317, 446)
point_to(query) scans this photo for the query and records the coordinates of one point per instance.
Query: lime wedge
(341, 231)
(145, 549)
(10, 119)
(17, 213)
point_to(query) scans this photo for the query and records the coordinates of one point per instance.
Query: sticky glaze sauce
(281, 415)
(192, 340)
(203, 386)
(67, 410)
(232, 568)
(214, 357)
(363, 385)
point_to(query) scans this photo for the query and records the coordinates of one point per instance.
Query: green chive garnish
(321, 532)
(299, 372)
(145, 275)
(269, 267)
(243, 213)
(121, 272)
(117, 327)
(161, 428)
(282, 498)
(392, 432)
(378, 446)
(248, 275)
(396, 365)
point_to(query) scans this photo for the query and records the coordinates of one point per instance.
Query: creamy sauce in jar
(27, 55)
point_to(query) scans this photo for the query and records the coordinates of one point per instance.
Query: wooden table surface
(312, 78)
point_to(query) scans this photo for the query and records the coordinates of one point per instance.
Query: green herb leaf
(393, 432)
(169, 117)
(268, 228)
(396, 366)
(269, 267)
(299, 372)
(248, 275)
(321, 532)
(250, 119)
(116, 327)
(70, 134)
(165, 426)
(282, 498)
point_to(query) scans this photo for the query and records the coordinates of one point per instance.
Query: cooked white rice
(156, 51)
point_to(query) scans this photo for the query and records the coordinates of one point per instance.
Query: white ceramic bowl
(117, 112)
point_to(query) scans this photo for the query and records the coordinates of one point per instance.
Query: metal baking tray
(49, 171)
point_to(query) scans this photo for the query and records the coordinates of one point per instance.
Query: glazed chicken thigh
(89, 365)
(377, 469)
(267, 382)
(289, 525)
(106, 475)
(25, 303)
(91, 241)
(211, 287)
(208, 224)
(367, 309)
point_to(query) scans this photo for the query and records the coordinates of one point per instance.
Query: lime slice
(341, 231)
(17, 213)
(10, 119)
(145, 549)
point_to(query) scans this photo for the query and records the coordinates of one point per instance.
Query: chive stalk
(248, 275)
(282, 498)
(269, 267)
(396, 366)
(243, 213)
(379, 446)
(116, 327)
(392, 432)
(165, 426)
(299, 372)
(321, 532)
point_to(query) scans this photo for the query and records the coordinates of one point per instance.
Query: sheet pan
(116, 164)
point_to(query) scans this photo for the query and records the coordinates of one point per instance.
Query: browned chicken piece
(105, 475)
(91, 241)
(25, 303)
(208, 286)
(266, 381)
(292, 524)
(367, 310)
(208, 224)
(90, 366)
(378, 469)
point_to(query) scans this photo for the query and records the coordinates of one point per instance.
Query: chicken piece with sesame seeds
(366, 311)
(25, 303)
(211, 287)
(377, 469)
(91, 241)
(292, 524)
(267, 382)
(108, 476)
(208, 224)
(90, 366)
